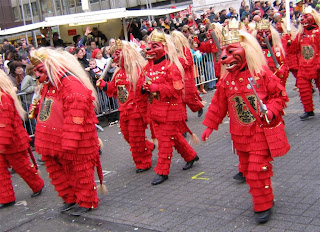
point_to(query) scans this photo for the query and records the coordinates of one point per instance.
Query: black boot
(307, 115)
(190, 163)
(159, 179)
(239, 177)
(263, 216)
(37, 193)
(7, 204)
(80, 211)
(67, 207)
(200, 112)
(139, 170)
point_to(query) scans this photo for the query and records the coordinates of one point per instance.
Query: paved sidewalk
(204, 198)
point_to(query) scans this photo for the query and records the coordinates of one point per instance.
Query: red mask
(209, 34)
(41, 73)
(261, 34)
(233, 57)
(154, 51)
(279, 27)
(308, 21)
(117, 56)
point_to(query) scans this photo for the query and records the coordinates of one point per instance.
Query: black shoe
(139, 170)
(263, 216)
(159, 179)
(190, 163)
(100, 152)
(307, 115)
(37, 193)
(67, 207)
(185, 134)
(239, 177)
(80, 211)
(7, 204)
(40, 162)
(200, 112)
(12, 171)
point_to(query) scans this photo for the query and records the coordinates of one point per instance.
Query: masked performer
(163, 75)
(65, 134)
(190, 96)
(14, 145)
(306, 46)
(264, 31)
(126, 85)
(257, 130)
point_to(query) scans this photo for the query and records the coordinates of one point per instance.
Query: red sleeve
(6, 122)
(112, 88)
(166, 89)
(217, 109)
(141, 99)
(277, 96)
(208, 47)
(294, 46)
(188, 56)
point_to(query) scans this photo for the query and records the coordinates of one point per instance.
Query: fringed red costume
(66, 138)
(265, 30)
(255, 141)
(191, 96)
(132, 123)
(166, 107)
(210, 47)
(306, 47)
(14, 143)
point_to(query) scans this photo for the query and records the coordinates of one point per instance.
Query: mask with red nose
(41, 72)
(233, 57)
(117, 56)
(155, 50)
(261, 34)
(308, 21)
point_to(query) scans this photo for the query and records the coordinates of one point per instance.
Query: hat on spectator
(5, 40)
(94, 52)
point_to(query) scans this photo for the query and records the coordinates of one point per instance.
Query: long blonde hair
(173, 55)
(316, 17)
(181, 43)
(276, 39)
(58, 62)
(7, 87)
(254, 55)
(133, 63)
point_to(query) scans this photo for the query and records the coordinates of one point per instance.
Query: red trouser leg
(84, 187)
(257, 169)
(165, 133)
(6, 189)
(21, 164)
(184, 148)
(137, 139)
(60, 179)
(305, 90)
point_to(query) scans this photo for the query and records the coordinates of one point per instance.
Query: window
(27, 11)
(34, 8)
(15, 13)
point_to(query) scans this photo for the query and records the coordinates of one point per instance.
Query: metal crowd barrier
(204, 69)
(107, 106)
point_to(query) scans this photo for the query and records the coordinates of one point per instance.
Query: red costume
(14, 143)
(132, 124)
(65, 134)
(166, 107)
(256, 141)
(306, 47)
(191, 96)
(264, 29)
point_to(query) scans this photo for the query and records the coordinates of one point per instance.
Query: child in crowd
(94, 71)
(100, 60)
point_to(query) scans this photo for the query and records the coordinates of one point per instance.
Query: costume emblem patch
(307, 52)
(242, 111)
(45, 109)
(123, 93)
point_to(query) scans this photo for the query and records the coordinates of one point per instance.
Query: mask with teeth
(308, 21)
(233, 57)
(117, 56)
(154, 51)
(41, 73)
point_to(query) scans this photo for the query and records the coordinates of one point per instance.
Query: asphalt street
(204, 198)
